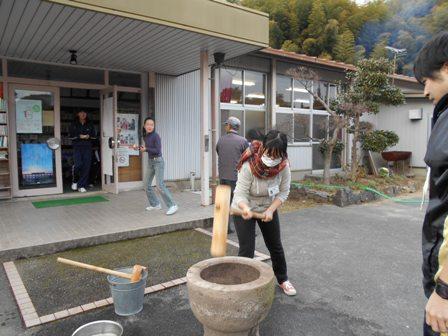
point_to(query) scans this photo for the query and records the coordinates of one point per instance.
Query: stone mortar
(230, 296)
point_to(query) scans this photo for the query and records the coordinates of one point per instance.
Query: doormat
(46, 290)
(69, 201)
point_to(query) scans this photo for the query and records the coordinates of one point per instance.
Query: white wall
(413, 134)
(300, 157)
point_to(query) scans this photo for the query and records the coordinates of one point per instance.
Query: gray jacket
(254, 191)
(229, 149)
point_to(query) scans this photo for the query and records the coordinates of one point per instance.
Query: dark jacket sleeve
(155, 146)
(75, 131)
(92, 132)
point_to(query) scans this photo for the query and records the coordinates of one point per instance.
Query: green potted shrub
(379, 140)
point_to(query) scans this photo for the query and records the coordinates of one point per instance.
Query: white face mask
(268, 162)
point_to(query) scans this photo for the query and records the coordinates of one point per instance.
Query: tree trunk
(354, 163)
(327, 164)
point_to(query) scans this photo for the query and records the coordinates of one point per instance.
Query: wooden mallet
(221, 220)
(135, 276)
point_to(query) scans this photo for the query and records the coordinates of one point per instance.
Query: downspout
(214, 131)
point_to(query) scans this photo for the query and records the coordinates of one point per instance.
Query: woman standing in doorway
(156, 165)
(82, 133)
(263, 184)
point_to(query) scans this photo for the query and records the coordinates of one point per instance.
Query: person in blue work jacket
(82, 133)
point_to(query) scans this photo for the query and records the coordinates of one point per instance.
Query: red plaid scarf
(253, 154)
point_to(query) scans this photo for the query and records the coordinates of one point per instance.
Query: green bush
(379, 140)
(337, 149)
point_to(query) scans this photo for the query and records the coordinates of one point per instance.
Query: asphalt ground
(356, 270)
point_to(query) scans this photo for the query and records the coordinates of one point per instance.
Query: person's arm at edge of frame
(282, 196)
(437, 306)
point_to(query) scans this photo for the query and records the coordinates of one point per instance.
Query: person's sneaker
(74, 186)
(157, 207)
(288, 288)
(83, 190)
(172, 210)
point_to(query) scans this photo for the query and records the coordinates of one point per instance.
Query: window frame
(243, 107)
(293, 110)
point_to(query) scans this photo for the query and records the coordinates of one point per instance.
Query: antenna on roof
(397, 53)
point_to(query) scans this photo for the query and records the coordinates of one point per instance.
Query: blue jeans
(156, 168)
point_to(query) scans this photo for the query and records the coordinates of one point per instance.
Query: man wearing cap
(229, 148)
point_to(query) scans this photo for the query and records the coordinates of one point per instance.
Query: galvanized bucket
(99, 328)
(128, 297)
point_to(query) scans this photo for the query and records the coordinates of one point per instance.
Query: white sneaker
(157, 207)
(83, 190)
(74, 186)
(288, 288)
(172, 210)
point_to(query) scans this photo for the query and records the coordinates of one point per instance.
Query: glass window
(319, 126)
(331, 127)
(54, 72)
(254, 88)
(124, 79)
(302, 98)
(255, 120)
(35, 124)
(318, 158)
(336, 161)
(333, 91)
(225, 114)
(284, 91)
(285, 124)
(321, 90)
(231, 86)
(301, 127)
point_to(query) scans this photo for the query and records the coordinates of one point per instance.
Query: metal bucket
(128, 297)
(99, 328)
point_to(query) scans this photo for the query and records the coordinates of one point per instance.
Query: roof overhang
(164, 36)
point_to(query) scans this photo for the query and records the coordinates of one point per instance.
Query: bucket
(99, 328)
(127, 296)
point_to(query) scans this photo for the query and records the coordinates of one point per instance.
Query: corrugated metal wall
(413, 134)
(177, 117)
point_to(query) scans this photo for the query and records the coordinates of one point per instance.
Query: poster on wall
(37, 164)
(128, 134)
(29, 116)
(122, 157)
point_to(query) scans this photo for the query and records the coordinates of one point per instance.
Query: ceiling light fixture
(73, 57)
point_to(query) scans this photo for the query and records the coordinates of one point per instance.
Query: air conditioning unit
(416, 114)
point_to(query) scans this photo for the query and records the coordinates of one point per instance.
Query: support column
(145, 106)
(205, 129)
(273, 93)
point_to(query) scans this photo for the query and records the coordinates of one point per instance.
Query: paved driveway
(357, 271)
